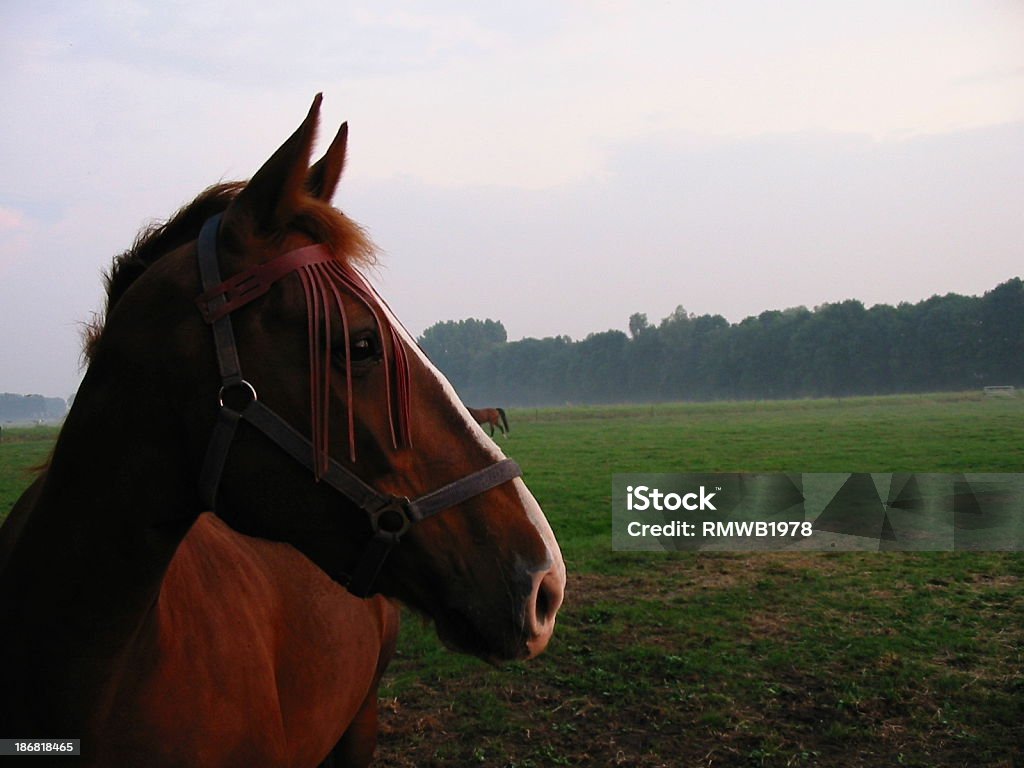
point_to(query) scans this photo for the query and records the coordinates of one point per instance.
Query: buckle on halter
(247, 395)
(392, 519)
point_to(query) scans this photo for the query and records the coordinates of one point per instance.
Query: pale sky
(554, 165)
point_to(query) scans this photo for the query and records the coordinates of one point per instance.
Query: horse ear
(274, 195)
(326, 172)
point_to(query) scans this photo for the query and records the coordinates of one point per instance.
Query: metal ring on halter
(243, 383)
(393, 519)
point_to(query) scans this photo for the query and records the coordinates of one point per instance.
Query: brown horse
(312, 661)
(495, 417)
(116, 630)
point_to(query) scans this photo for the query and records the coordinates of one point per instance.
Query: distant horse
(495, 417)
(160, 636)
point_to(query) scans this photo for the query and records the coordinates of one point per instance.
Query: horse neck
(85, 570)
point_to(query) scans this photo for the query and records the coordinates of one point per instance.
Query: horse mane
(317, 218)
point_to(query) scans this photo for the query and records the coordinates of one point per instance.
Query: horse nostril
(548, 591)
(543, 604)
(549, 598)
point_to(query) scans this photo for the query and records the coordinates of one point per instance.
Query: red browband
(238, 290)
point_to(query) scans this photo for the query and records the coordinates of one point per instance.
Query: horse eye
(364, 349)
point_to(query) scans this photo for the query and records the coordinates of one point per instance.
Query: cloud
(16, 237)
(10, 220)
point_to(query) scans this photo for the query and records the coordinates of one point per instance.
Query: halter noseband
(389, 516)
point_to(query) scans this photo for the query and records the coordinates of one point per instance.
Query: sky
(556, 165)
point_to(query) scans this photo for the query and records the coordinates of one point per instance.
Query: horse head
(333, 431)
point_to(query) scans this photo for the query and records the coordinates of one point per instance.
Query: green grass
(568, 456)
(772, 659)
(731, 659)
(22, 450)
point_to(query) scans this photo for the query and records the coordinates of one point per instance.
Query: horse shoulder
(205, 665)
(334, 646)
(257, 617)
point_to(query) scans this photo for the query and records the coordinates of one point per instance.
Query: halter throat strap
(389, 516)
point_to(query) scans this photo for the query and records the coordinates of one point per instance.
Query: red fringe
(324, 285)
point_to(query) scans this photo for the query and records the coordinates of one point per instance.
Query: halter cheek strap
(389, 516)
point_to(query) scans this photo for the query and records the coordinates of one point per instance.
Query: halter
(389, 516)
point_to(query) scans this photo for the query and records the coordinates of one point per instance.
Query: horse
(208, 395)
(495, 417)
(314, 653)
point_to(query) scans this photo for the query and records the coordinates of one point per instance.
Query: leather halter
(389, 516)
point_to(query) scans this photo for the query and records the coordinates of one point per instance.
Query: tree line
(944, 343)
(28, 408)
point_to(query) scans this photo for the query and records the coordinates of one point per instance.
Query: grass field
(701, 659)
(22, 449)
(731, 659)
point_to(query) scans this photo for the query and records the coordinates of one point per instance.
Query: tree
(945, 342)
(638, 324)
(456, 346)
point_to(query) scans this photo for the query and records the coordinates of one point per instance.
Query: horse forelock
(324, 223)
